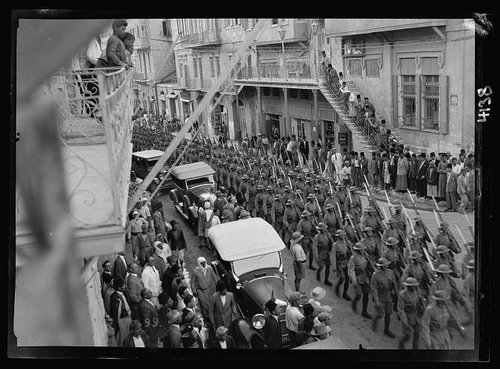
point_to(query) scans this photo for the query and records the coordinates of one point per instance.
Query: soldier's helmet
(398, 207)
(368, 229)
(329, 206)
(321, 225)
(415, 235)
(359, 246)
(270, 188)
(244, 215)
(471, 264)
(310, 196)
(441, 249)
(443, 269)
(439, 295)
(288, 203)
(226, 214)
(297, 236)
(317, 188)
(340, 232)
(369, 209)
(415, 254)
(382, 262)
(244, 177)
(306, 213)
(391, 241)
(410, 281)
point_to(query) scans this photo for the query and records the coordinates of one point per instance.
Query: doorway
(272, 125)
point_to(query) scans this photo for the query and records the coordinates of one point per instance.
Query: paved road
(351, 328)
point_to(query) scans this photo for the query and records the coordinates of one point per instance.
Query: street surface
(351, 328)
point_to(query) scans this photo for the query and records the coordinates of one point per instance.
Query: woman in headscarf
(203, 284)
(161, 253)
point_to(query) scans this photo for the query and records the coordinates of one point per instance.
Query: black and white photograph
(189, 185)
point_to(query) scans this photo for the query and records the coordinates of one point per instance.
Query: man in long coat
(203, 284)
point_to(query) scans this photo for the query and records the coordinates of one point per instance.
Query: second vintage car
(192, 183)
(249, 260)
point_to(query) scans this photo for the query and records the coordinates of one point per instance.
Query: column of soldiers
(395, 261)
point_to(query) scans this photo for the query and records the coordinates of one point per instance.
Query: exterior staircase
(360, 141)
(355, 90)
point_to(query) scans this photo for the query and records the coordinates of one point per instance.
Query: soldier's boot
(387, 323)
(375, 323)
(337, 288)
(354, 303)
(311, 266)
(327, 275)
(365, 307)
(346, 286)
(318, 274)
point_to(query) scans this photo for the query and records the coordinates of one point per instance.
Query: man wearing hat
(444, 237)
(360, 271)
(244, 215)
(290, 220)
(222, 307)
(308, 188)
(272, 329)
(394, 232)
(299, 258)
(421, 176)
(353, 206)
(444, 256)
(242, 187)
(340, 255)
(411, 308)
(330, 218)
(306, 229)
(435, 323)
(420, 228)
(270, 199)
(369, 220)
(250, 194)
(399, 218)
(373, 245)
(222, 339)
(173, 337)
(394, 257)
(419, 270)
(227, 216)
(469, 289)
(313, 208)
(276, 213)
(293, 316)
(467, 257)
(322, 249)
(384, 290)
(143, 245)
(321, 332)
(260, 202)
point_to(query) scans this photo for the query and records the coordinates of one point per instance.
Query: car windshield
(198, 181)
(243, 266)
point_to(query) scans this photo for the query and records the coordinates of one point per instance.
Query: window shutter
(443, 104)
(396, 100)
(419, 99)
(282, 126)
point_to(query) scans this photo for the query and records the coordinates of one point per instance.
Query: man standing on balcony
(325, 60)
(116, 53)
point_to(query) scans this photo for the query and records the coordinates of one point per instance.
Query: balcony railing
(208, 37)
(292, 71)
(95, 114)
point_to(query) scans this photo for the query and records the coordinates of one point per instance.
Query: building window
(195, 69)
(408, 94)
(294, 93)
(266, 91)
(300, 130)
(430, 93)
(167, 30)
(217, 65)
(276, 92)
(200, 66)
(372, 69)
(212, 69)
(355, 67)
(149, 63)
(304, 94)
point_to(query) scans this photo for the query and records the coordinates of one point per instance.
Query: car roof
(192, 170)
(246, 238)
(149, 154)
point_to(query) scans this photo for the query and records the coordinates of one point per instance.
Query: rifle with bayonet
(413, 202)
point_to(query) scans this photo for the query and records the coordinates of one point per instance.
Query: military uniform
(312, 207)
(260, 204)
(354, 208)
(341, 254)
(270, 198)
(306, 228)
(420, 271)
(290, 221)
(373, 248)
(383, 284)
(331, 221)
(322, 249)
(360, 271)
(277, 212)
(251, 192)
(411, 309)
(369, 220)
(435, 327)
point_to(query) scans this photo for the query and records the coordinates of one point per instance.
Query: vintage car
(191, 182)
(248, 258)
(143, 162)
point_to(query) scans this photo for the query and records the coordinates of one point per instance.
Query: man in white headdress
(203, 284)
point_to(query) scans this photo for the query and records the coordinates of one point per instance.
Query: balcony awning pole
(254, 34)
